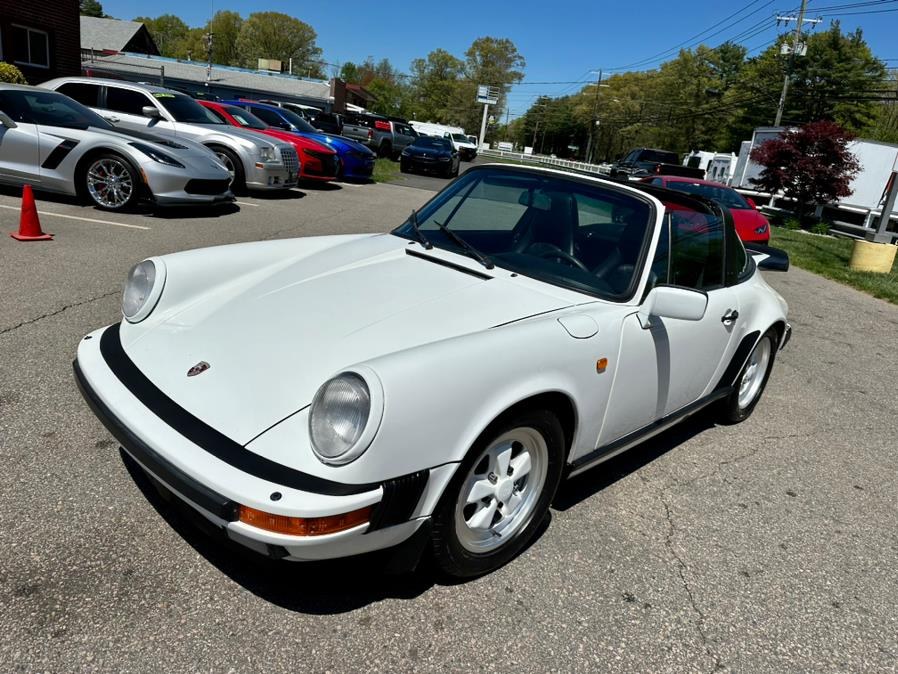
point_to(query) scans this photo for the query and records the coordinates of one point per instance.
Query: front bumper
(213, 475)
(169, 185)
(467, 154)
(426, 165)
(356, 166)
(261, 176)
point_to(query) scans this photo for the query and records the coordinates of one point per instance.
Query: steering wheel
(552, 251)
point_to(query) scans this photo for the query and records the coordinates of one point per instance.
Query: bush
(9, 73)
(792, 223)
(820, 228)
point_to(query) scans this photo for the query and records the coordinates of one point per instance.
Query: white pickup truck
(467, 150)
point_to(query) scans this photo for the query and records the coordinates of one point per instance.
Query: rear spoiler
(767, 257)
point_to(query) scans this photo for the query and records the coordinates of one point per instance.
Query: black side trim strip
(201, 434)
(59, 153)
(446, 263)
(634, 437)
(170, 474)
(739, 357)
(401, 495)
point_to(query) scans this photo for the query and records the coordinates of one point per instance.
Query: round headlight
(340, 421)
(142, 290)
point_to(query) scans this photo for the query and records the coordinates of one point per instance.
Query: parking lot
(767, 546)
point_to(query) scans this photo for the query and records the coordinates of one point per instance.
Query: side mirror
(150, 111)
(751, 202)
(6, 121)
(663, 301)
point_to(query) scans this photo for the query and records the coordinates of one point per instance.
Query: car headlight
(345, 416)
(157, 155)
(405, 153)
(268, 154)
(142, 290)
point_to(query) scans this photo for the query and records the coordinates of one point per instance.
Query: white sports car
(322, 397)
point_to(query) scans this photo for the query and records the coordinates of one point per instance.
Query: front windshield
(185, 109)
(581, 235)
(298, 121)
(34, 106)
(430, 141)
(245, 118)
(460, 137)
(722, 195)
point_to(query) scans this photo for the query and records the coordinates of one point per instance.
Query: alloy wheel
(109, 182)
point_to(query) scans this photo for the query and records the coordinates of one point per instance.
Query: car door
(673, 363)
(124, 107)
(19, 140)
(403, 136)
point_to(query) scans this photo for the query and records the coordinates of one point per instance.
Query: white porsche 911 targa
(429, 388)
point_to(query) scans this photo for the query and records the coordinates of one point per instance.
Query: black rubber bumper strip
(201, 434)
(170, 474)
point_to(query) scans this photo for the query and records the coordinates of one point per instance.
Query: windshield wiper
(476, 254)
(424, 241)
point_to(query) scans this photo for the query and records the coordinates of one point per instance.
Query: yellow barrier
(875, 257)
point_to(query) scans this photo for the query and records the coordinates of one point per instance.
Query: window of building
(30, 47)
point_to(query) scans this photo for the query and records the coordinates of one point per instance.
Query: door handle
(730, 316)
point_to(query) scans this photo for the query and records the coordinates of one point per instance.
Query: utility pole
(595, 112)
(208, 39)
(797, 50)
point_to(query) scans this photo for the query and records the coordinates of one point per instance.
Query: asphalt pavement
(769, 546)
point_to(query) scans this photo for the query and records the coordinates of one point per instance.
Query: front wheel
(747, 391)
(111, 182)
(500, 494)
(234, 166)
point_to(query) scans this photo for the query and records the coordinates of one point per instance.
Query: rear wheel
(111, 182)
(234, 166)
(500, 494)
(751, 382)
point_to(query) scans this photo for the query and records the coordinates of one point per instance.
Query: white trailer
(455, 135)
(858, 212)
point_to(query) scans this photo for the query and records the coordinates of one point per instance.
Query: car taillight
(383, 126)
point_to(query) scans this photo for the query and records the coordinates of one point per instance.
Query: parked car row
(118, 143)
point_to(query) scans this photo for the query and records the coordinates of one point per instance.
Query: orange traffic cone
(29, 224)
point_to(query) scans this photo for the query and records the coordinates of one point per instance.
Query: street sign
(487, 95)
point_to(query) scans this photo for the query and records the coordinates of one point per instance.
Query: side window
(217, 115)
(126, 100)
(660, 270)
(270, 117)
(738, 264)
(86, 94)
(13, 103)
(696, 242)
(658, 182)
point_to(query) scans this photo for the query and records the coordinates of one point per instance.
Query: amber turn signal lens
(304, 526)
(601, 365)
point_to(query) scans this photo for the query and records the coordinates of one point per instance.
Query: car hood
(428, 151)
(246, 135)
(339, 143)
(299, 142)
(274, 335)
(178, 148)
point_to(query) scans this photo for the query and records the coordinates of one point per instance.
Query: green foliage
(225, 27)
(92, 8)
(272, 35)
(792, 224)
(820, 228)
(9, 73)
(169, 33)
(385, 170)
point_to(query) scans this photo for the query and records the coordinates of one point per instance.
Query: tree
(811, 165)
(9, 73)
(92, 8)
(436, 82)
(225, 27)
(169, 33)
(273, 35)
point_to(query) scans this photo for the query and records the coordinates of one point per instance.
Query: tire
(403, 167)
(457, 169)
(461, 550)
(232, 162)
(122, 190)
(751, 382)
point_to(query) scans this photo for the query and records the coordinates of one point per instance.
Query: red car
(318, 162)
(750, 224)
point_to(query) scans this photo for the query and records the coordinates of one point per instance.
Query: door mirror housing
(665, 301)
(6, 121)
(151, 111)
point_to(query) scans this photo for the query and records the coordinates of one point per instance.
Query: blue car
(356, 160)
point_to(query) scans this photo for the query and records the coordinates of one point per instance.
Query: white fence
(600, 169)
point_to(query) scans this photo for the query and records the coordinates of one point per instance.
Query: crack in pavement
(681, 572)
(58, 311)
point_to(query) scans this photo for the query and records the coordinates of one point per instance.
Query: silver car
(54, 143)
(255, 161)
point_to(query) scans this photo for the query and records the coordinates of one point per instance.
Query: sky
(563, 47)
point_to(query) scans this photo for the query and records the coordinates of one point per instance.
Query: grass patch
(385, 170)
(828, 256)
